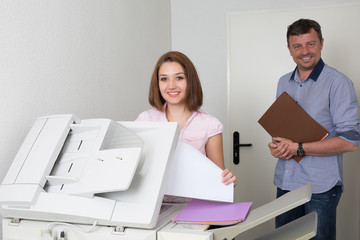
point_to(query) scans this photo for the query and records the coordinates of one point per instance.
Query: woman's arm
(214, 151)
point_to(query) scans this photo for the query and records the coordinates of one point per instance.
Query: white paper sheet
(193, 175)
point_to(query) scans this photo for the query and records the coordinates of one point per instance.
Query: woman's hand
(228, 177)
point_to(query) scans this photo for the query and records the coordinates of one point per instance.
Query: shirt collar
(314, 75)
(193, 115)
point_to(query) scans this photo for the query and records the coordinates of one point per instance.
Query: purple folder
(214, 213)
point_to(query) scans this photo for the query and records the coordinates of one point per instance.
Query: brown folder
(285, 118)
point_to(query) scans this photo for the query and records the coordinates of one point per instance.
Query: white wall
(86, 57)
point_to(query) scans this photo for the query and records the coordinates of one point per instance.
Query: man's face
(306, 49)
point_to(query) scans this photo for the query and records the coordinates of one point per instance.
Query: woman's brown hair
(194, 94)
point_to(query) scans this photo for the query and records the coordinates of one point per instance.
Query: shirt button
(286, 171)
(300, 85)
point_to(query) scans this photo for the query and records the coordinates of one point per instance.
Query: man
(328, 96)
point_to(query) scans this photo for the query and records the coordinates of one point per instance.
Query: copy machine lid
(142, 201)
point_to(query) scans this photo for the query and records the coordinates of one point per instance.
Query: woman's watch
(300, 151)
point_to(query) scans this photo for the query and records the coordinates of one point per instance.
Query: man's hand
(282, 148)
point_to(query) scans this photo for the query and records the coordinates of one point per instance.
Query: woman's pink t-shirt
(197, 131)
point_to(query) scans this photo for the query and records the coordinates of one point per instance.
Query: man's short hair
(303, 26)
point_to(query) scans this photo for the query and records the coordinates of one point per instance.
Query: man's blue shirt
(329, 97)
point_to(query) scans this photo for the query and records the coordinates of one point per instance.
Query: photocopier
(97, 179)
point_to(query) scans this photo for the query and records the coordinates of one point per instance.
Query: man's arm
(285, 149)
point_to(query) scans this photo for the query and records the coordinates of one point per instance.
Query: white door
(258, 56)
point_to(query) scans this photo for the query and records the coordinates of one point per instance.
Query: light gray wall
(86, 57)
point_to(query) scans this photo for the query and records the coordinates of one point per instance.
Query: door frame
(335, 57)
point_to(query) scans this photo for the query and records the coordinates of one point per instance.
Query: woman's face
(172, 83)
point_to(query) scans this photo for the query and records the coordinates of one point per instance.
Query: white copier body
(99, 179)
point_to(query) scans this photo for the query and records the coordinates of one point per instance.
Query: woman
(176, 95)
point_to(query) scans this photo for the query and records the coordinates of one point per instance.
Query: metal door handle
(236, 147)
